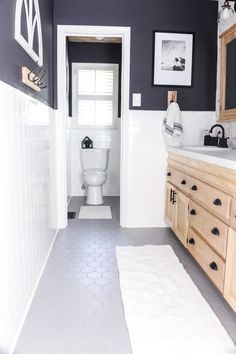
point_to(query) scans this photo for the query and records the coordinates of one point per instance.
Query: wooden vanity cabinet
(230, 272)
(170, 205)
(176, 212)
(181, 217)
(201, 210)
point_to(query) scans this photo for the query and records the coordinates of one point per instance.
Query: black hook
(38, 75)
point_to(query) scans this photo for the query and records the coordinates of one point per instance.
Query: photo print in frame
(173, 57)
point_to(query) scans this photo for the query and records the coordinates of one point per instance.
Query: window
(95, 94)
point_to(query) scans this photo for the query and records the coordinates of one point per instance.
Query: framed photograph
(173, 56)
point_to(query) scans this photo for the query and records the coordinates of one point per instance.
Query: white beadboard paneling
(68, 159)
(25, 234)
(146, 160)
(102, 138)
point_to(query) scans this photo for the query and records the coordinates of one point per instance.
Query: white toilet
(94, 164)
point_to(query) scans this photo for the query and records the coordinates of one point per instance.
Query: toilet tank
(94, 158)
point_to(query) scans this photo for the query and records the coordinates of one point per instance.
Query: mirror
(228, 75)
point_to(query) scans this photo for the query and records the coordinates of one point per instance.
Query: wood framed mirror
(227, 109)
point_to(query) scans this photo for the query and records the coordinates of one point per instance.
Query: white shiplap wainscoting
(25, 234)
(146, 156)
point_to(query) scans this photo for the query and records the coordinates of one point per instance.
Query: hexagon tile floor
(77, 308)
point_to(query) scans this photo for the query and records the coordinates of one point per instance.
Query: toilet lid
(94, 171)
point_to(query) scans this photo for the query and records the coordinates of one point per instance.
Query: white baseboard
(18, 332)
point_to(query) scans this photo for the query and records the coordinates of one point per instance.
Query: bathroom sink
(205, 148)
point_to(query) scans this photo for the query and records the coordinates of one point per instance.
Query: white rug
(165, 312)
(95, 212)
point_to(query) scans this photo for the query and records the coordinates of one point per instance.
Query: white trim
(68, 202)
(33, 292)
(90, 31)
(31, 24)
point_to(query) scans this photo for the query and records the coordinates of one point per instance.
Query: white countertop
(222, 157)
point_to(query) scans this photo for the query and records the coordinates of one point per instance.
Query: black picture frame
(167, 47)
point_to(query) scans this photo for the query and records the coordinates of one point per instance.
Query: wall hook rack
(171, 97)
(33, 78)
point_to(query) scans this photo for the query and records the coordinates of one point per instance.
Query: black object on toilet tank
(86, 143)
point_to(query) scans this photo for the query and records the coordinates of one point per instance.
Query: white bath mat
(95, 212)
(165, 312)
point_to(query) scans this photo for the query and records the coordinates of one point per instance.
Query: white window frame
(115, 68)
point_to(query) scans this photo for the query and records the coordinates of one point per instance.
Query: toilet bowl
(94, 164)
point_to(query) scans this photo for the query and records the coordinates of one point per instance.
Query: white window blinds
(95, 94)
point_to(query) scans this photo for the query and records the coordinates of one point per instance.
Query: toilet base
(94, 195)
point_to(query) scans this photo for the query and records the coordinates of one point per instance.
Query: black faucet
(215, 140)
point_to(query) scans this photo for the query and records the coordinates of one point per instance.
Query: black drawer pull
(215, 231)
(191, 241)
(173, 198)
(213, 266)
(171, 195)
(193, 212)
(168, 174)
(217, 202)
(194, 188)
(183, 182)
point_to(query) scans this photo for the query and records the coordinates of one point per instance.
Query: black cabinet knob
(193, 212)
(168, 174)
(183, 182)
(215, 231)
(191, 241)
(194, 188)
(217, 202)
(213, 266)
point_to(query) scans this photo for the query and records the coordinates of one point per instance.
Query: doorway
(60, 176)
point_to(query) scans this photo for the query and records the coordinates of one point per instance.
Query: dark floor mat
(71, 215)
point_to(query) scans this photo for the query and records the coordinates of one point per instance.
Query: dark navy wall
(198, 16)
(95, 53)
(13, 56)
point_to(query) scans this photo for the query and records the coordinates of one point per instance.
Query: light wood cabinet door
(170, 205)
(230, 273)
(181, 217)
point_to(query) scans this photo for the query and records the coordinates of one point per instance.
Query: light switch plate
(136, 100)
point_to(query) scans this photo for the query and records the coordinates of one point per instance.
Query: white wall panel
(146, 160)
(25, 234)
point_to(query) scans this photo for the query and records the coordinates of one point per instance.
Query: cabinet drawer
(215, 200)
(214, 231)
(233, 214)
(211, 263)
(179, 179)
